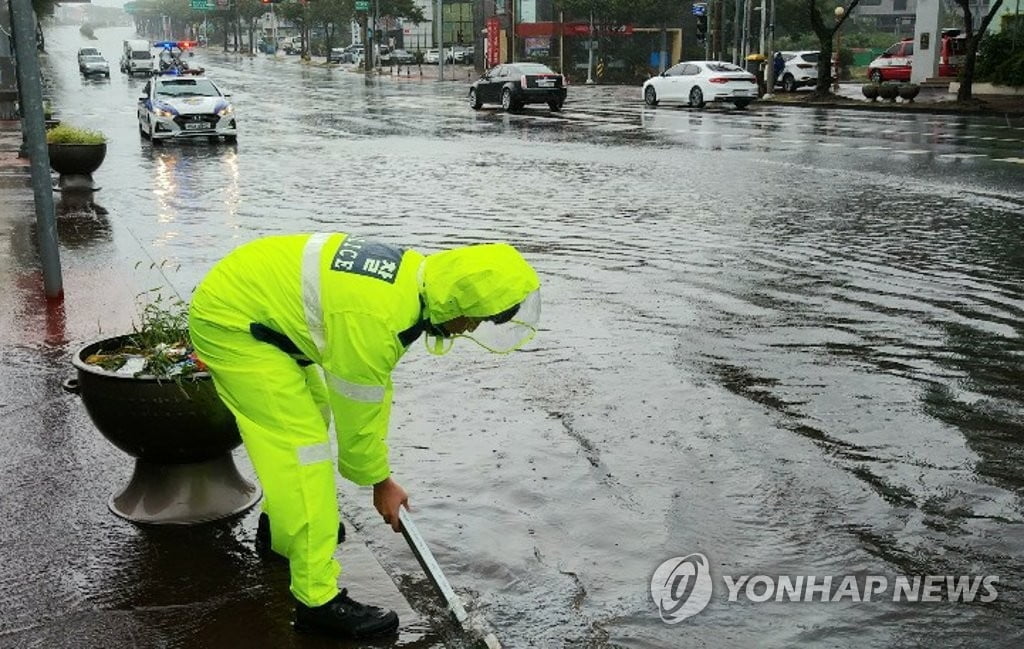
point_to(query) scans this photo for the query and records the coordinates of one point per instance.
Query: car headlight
(227, 110)
(160, 112)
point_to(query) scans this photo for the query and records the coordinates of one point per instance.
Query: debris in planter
(162, 361)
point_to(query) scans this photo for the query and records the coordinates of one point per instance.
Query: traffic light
(700, 15)
(702, 28)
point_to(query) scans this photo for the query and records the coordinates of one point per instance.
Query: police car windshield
(186, 88)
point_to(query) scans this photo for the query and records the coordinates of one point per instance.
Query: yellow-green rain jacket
(353, 307)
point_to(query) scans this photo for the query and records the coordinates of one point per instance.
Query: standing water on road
(787, 340)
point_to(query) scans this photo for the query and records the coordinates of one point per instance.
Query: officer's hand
(388, 496)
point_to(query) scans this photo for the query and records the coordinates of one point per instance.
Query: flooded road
(786, 339)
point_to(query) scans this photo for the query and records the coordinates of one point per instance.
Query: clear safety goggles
(499, 334)
(509, 334)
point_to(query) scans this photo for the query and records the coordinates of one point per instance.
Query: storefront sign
(493, 41)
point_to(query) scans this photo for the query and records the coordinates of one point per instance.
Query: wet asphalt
(788, 339)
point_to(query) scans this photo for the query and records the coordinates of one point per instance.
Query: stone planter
(870, 91)
(76, 159)
(180, 434)
(75, 164)
(888, 91)
(908, 91)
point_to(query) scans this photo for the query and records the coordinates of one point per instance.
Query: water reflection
(186, 174)
(80, 229)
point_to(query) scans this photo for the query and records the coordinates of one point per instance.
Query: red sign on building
(493, 41)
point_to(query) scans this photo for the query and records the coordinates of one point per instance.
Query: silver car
(94, 65)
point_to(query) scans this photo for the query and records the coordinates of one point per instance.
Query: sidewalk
(74, 575)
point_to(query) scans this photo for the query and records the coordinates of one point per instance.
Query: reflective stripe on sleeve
(355, 391)
(311, 289)
(314, 453)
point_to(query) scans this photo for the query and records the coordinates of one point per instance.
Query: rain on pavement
(788, 339)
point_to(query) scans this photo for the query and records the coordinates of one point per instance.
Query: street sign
(130, 7)
(199, 5)
(700, 8)
(362, 5)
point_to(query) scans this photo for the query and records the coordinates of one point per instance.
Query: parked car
(290, 44)
(698, 82)
(514, 85)
(801, 69)
(84, 52)
(94, 65)
(353, 52)
(896, 63)
(185, 107)
(456, 54)
(402, 57)
(432, 56)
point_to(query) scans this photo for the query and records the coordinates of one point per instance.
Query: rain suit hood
(490, 283)
(477, 281)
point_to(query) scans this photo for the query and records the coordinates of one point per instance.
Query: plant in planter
(75, 154)
(908, 91)
(149, 396)
(888, 91)
(75, 150)
(870, 91)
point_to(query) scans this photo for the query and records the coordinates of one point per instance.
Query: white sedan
(185, 106)
(698, 82)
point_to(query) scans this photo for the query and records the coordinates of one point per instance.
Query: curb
(909, 107)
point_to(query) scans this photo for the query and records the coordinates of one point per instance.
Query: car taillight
(565, 80)
(718, 80)
(522, 81)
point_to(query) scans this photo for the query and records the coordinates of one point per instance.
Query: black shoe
(263, 547)
(345, 617)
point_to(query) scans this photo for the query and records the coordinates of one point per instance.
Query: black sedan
(514, 85)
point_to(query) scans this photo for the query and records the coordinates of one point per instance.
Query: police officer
(278, 315)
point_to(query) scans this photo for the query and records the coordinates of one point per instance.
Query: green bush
(66, 134)
(1001, 59)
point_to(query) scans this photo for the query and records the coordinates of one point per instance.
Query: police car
(185, 106)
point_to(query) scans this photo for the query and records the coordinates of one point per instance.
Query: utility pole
(362, 37)
(590, 51)
(440, 42)
(376, 40)
(512, 54)
(770, 61)
(764, 24)
(33, 126)
(736, 32)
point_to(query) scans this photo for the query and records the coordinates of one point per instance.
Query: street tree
(330, 15)
(249, 11)
(966, 91)
(825, 29)
(298, 14)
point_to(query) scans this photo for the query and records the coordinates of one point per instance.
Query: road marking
(914, 151)
(1019, 161)
(961, 156)
(873, 148)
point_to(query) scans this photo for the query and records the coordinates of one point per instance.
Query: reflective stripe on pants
(282, 414)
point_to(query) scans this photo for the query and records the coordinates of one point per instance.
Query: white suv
(801, 69)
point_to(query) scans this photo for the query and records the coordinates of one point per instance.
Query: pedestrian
(277, 315)
(778, 64)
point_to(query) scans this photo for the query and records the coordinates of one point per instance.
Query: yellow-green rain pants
(260, 383)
